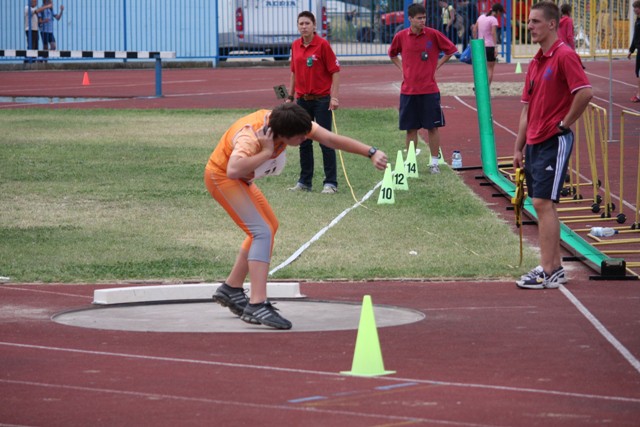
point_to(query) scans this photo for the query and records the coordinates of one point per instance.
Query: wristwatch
(562, 127)
(372, 151)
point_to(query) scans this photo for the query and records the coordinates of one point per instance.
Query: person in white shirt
(31, 23)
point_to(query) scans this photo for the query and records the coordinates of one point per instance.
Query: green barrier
(577, 244)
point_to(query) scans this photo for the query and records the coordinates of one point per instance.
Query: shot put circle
(306, 316)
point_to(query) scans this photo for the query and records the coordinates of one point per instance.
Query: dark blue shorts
(545, 166)
(420, 112)
(47, 38)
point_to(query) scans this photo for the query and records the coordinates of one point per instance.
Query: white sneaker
(300, 187)
(329, 189)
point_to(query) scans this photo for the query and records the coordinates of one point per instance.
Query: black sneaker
(265, 314)
(233, 298)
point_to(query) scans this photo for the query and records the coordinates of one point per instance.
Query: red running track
(486, 353)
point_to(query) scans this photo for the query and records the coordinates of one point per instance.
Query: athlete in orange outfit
(254, 147)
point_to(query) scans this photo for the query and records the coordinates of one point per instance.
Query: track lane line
(322, 373)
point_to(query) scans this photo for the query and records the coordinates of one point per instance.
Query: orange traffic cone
(85, 79)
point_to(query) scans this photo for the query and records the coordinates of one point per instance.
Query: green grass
(112, 195)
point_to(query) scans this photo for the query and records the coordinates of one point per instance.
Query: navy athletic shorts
(545, 166)
(47, 38)
(421, 112)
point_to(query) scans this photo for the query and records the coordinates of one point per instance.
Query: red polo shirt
(315, 79)
(551, 79)
(418, 75)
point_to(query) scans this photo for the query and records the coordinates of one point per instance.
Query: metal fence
(601, 27)
(182, 26)
(212, 30)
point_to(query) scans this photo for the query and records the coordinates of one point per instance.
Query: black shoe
(265, 314)
(233, 298)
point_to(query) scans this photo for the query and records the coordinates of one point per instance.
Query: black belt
(313, 97)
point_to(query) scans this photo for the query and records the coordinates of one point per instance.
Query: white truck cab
(265, 26)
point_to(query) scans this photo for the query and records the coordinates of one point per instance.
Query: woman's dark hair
(289, 119)
(565, 9)
(497, 8)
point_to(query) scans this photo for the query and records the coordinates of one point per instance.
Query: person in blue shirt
(46, 25)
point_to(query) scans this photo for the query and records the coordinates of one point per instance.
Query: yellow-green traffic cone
(386, 195)
(399, 176)
(411, 165)
(367, 357)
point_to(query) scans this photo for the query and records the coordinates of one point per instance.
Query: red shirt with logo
(418, 75)
(313, 66)
(551, 80)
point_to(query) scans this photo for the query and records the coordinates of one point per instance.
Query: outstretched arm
(350, 145)
(48, 6)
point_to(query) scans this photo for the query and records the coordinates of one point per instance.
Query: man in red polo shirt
(420, 47)
(555, 94)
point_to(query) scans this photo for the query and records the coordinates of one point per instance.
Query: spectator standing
(565, 28)
(315, 86)
(46, 29)
(448, 16)
(555, 94)
(254, 147)
(469, 9)
(635, 45)
(486, 28)
(415, 51)
(31, 23)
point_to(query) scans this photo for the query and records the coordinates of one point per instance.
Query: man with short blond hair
(555, 94)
